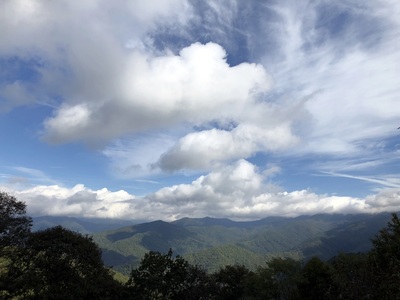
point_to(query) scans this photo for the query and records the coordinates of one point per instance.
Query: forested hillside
(214, 243)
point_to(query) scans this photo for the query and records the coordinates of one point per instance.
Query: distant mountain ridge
(214, 243)
(81, 225)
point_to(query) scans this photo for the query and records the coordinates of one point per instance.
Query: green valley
(214, 243)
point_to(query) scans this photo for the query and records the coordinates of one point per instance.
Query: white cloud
(388, 181)
(77, 201)
(107, 90)
(350, 75)
(240, 191)
(385, 200)
(15, 91)
(74, 60)
(30, 25)
(204, 149)
(135, 157)
(196, 86)
(19, 178)
(146, 11)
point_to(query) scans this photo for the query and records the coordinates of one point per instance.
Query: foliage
(14, 224)
(286, 277)
(261, 285)
(317, 282)
(59, 264)
(14, 233)
(351, 276)
(218, 257)
(231, 282)
(162, 276)
(385, 260)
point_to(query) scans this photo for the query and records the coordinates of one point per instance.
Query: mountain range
(213, 243)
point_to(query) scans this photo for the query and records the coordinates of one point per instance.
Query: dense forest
(57, 263)
(214, 243)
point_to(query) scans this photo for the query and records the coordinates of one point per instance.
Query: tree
(61, 264)
(261, 285)
(351, 276)
(286, 277)
(14, 224)
(162, 276)
(385, 260)
(317, 280)
(232, 282)
(14, 231)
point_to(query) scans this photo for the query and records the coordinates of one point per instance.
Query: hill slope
(81, 225)
(213, 243)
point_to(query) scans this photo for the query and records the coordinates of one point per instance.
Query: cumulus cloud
(52, 54)
(77, 201)
(196, 87)
(387, 199)
(111, 80)
(204, 149)
(240, 191)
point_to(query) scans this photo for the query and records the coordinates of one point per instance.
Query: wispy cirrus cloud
(32, 176)
(388, 181)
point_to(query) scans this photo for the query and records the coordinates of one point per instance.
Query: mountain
(81, 225)
(352, 236)
(214, 243)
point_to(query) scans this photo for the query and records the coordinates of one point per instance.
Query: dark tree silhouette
(232, 282)
(317, 280)
(162, 276)
(14, 224)
(385, 260)
(61, 264)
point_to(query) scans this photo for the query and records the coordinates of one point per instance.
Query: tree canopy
(162, 276)
(385, 260)
(14, 224)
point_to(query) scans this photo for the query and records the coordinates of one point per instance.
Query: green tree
(286, 277)
(61, 264)
(14, 232)
(162, 276)
(317, 280)
(280, 279)
(200, 285)
(14, 224)
(261, 285)
(351, 276)
(232, 282)
(385, 260)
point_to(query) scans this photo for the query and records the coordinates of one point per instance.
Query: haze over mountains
(214, 243)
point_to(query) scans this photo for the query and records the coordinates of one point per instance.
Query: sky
(237, 109)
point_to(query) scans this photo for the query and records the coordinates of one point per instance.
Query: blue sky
(176, 108)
